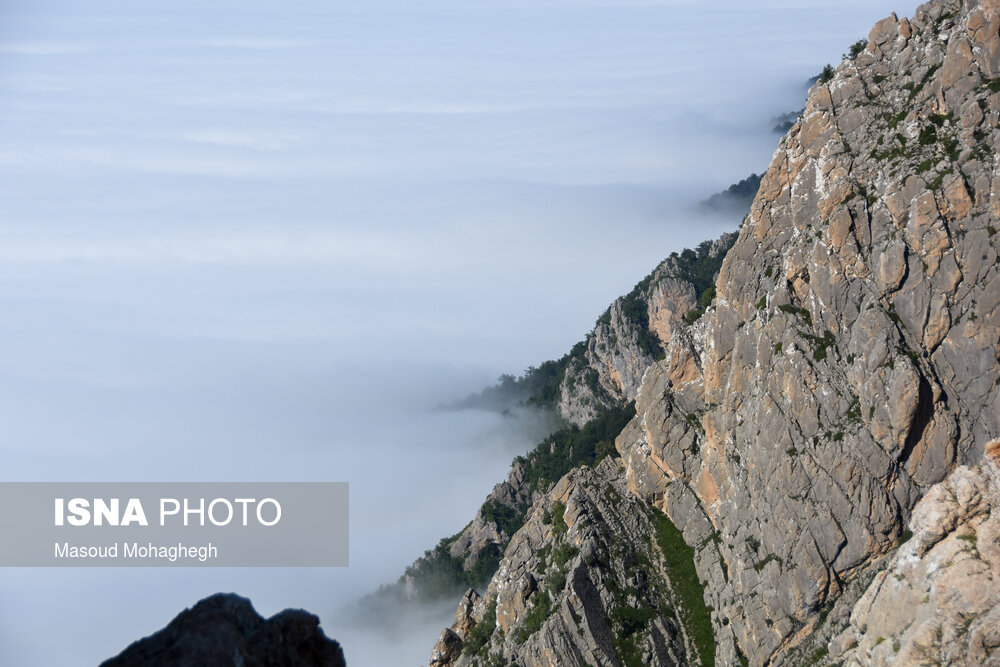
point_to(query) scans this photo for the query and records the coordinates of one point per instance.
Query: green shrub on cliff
(540, 611)
(539, 386)
(693, 612)
(575, 446)
(476, 641)
(856, 48)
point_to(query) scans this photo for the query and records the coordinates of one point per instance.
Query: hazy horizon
(260, 243)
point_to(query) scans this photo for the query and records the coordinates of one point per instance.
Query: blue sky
(261, 240)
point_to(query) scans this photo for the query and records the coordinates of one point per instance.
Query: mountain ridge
(591, 390)
(847, 364)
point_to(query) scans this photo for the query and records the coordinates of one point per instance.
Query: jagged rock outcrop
(584, 582)
(485, 531)
(849, 362)
(939, 600)
(627, 338)
(476, 548)
(850, 359)
(448, 648)
(224, 630)
(633, 333)
(595, 381)
(470, 557)
(605, 369)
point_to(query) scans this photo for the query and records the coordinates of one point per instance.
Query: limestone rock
(465, 616)
(582, 583)
(631, 335)
(939, 600)
(850, 360)
(603, 371)
(447, 649)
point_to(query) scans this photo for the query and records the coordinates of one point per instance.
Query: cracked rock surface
(580, 584)
(848, 366)
(850, 360)
(939, 600)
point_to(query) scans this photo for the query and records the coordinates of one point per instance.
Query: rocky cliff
(470, 557)
(849, 361)
(634, 331)
(582, 583)
(938, 602)
(591, 388)
(225, 630)
(851, 356)
(604, 370)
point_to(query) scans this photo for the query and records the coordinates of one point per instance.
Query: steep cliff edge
(851, 357)
(591, 388)
(604, 370)
(849, 361)
(582, 583)
(634, 331)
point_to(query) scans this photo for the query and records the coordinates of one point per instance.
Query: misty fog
(262, 242)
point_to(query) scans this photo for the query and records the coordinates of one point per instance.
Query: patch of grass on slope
(687, 587)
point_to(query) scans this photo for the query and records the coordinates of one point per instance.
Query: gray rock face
(603, 372)
(485, 532)
(449, 645)
(939, 600)
(851, 357)
(630, 336)
(849, 363)
(225, 631)
(582, 583)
